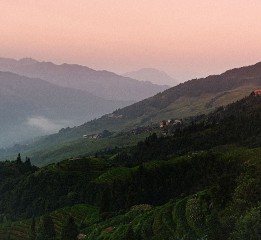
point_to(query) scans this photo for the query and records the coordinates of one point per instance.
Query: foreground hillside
(198, 96)
(201, 182)
(34, 107)
(103, 84)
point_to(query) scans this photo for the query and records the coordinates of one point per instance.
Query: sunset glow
(185, 38)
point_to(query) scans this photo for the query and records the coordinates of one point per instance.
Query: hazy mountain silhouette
(151, 74)
(194, 97)
(209, 92)
(104, 84)
(32, 107)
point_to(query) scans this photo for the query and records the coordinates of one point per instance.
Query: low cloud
(46, 124)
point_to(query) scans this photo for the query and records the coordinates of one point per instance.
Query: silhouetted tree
(28, 161)
(18, 159)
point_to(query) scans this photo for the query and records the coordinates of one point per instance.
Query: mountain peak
(103, 84)
(153, 75)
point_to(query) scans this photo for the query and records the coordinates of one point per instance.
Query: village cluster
(169, 122)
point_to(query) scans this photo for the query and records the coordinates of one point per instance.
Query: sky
(186, 38)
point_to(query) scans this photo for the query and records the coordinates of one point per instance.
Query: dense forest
(200, 181)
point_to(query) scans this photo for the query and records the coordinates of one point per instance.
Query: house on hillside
(163, 123)
(256, 92)
(170, 122)
(92, 136)
(95, 136)
(176, 122)
(81, 236)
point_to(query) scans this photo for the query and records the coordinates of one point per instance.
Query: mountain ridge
(152, 74)
(194, 97)
(102, 83)
(34, 101)
(210, 84)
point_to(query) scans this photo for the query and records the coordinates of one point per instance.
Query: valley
(194, 97)
(130, 120)
(208, 167)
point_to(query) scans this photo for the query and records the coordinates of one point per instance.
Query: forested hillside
(194, 97)
(201, 182)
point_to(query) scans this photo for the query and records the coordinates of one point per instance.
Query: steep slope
(209, 199)
(32, 107)
(198, 96)
(209, 192)
(216, 87)
(104, 84)
(151, 74)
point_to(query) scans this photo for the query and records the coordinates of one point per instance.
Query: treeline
(43, 191)
(36, 191)
(238, 123)
(25, 193)
(157, 182)
(153, 172)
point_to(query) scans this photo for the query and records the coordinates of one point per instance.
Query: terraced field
(84, 215)
(180, 218)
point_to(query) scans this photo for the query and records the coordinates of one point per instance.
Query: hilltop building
(170, 122)
(256, 92)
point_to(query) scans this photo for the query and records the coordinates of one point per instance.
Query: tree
(28, 161)
(46, 231)
(18, 159)
(70, 230)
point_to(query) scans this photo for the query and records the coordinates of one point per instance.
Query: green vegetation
(76, 147)
(84, 215)
(46, 229)
(201, 182)
(70, 230)
(194, 97)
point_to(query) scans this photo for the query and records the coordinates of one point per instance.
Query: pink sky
(186, 38)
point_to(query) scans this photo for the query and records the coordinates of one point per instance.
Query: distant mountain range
(32, 107)
(103, 84)
(154, 75)
(194, 97)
